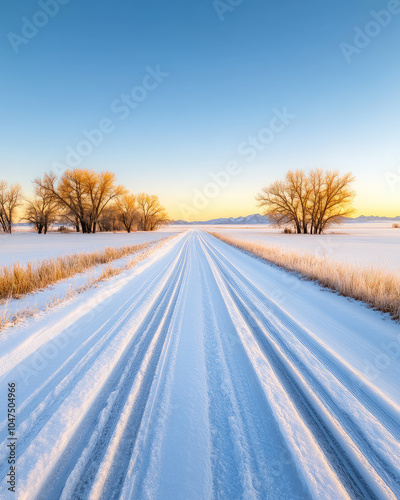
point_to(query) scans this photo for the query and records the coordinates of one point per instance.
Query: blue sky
(227, 78)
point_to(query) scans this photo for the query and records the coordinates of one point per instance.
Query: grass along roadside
(17, 280)
(374, 285)
(145, 251)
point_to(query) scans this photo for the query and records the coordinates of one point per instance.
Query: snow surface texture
(364, 243)
(43, 299)
(27, 246)
(204, 374)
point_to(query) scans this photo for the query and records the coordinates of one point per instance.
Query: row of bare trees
(90, 200)
(310, 202)
(142, 212)
(83, 198)
(10, 199)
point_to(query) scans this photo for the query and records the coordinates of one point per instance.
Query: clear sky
(260, 87)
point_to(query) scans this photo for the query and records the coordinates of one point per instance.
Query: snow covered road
(204, 374)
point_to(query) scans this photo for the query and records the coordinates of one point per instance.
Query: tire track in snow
(244, 440)
(125, 410)
(196, 382)
(171, 455)
(346, 458)
(280, 321)
(248, 449)
(154, 311)
(116, 433)
(36, 410)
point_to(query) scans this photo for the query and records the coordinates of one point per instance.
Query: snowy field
(363, 243)
(25, 245)
(204, 374)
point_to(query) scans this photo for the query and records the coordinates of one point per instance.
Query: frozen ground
(204, 374)
(24, 245)
(40, 300)
(363, 243)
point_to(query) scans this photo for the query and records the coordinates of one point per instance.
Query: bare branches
(310, 202)
(92, 200)
(82, 194)
(10, 199)
(151, 213)
(101, 190)
(127, 211)
(41, 211)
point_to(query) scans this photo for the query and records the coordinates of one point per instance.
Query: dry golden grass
(374, 285)
(143, 251)
(17, 280)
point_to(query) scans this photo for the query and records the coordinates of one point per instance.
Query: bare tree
(150, 212)
(109, 219)
(10, 199)
(127, 212)
(333, 200)
(82, 194)
(310, 202)
(69, 194)
(101, 189)
(280, 204)
(41, 210)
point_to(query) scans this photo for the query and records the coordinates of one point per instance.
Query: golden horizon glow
(245, 210)
(240, 202)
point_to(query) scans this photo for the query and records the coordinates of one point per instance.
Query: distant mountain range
(259, 219)
(372, 218)
(249, 219)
